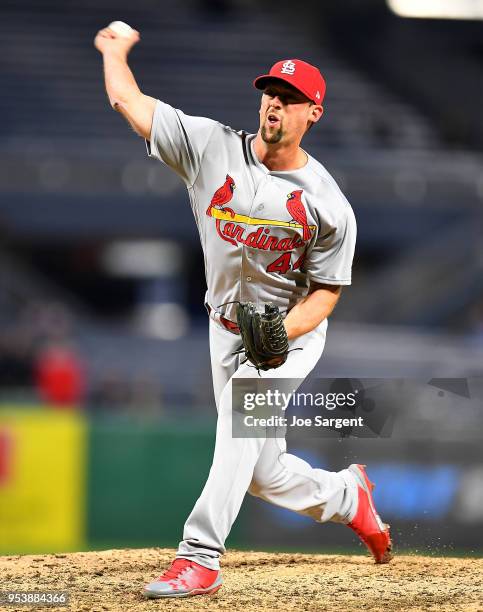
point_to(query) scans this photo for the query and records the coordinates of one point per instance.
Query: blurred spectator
(146, 395)
(136, 395)
(59, 376)
(110, 394)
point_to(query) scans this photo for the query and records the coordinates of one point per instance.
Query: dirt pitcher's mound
(113, 579)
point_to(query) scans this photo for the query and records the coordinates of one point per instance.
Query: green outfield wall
(143, 480)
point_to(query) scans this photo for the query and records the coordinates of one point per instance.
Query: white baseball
(121, 28)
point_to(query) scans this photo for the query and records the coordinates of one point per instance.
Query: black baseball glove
(265, 341)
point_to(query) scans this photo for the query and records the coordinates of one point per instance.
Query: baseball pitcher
(278, 236)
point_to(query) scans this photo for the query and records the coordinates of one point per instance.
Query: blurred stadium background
(106, 407)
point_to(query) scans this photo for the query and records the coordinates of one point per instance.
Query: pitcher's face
(285, 113)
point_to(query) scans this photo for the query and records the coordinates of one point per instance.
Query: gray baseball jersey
(265, 234)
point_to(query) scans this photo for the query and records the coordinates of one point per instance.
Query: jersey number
(282, 263)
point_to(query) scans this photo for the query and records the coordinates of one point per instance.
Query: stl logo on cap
(299, 74)
(288, 67)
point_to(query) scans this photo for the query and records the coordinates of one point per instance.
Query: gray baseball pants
(260, 466)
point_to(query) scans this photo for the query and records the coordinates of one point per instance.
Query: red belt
(227, 324)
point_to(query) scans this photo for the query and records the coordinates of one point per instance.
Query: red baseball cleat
(183, 579)
(367, 523)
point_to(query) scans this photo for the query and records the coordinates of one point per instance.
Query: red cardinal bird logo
(297, 210)
(222, 196)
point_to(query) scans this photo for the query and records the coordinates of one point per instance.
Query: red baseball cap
(304, 77)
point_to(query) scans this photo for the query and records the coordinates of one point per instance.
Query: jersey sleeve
(179, 140)
(330, 260)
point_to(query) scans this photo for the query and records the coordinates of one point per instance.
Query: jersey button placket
(248, 254)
